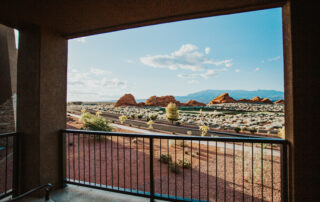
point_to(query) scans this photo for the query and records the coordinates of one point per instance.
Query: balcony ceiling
(75, 18)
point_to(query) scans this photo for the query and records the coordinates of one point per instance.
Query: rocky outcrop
(256, 99)
(162, 101)
(126, 100)
(244, 101)
(266, 101)
(279, 102)
(141, 104)
(193, 103)
(224, 98)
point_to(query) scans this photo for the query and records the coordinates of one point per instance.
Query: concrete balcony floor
(73, 193)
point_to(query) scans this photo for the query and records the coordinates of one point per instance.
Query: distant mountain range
(206, 96)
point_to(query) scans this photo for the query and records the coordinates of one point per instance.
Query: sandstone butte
(256, 99)
(279, 102)
(224, 98)
(162, 101)
(126, 100)
(244, 101)
(193, 103)
(266, 101)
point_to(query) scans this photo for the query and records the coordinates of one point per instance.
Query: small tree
(122, 119)
(172, 113)
(150, 123)
(204, 130)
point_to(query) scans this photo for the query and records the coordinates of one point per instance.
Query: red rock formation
(224, 98)
(141, 104)
(244, 101)
(256, 99)
(279, 102)
(162, 101)
(126, 100)
(266, 101)
(194, 103)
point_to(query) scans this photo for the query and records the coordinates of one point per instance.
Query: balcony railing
(7, 142)
(178, 168)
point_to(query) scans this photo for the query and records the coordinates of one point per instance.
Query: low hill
(207, 95)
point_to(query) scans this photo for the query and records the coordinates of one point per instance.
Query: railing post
(63, 159)
(16, 164)
(151, 170)
(284, 173)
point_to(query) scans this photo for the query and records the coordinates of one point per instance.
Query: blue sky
(240, 51)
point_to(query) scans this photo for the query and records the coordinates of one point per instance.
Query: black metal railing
(47, 188)
(178, 168)
(7, 142)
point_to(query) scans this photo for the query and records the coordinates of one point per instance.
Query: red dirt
(112, 162)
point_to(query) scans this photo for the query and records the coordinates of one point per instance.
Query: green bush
(92, 122)
(237, 129)
(253, 131)
(184, 164)
(174, 167)
(165, 158)
(153, 117)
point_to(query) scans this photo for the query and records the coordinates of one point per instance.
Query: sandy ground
(217, 174)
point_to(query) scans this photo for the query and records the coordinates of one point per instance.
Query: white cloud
(90, 86)
(209, 73)
(97, 71)
(237, 70)
(188, 76)
(81, 39)
(16, 37)
(226, 63)
(207, 50)
(193, 81)
(257, 69)
(274, 59)
(187, 58)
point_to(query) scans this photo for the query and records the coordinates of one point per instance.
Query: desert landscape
(205, 170)
(217, 170)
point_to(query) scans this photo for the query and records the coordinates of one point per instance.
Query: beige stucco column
(41, 105)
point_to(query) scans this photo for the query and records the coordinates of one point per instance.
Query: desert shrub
(184, 163)
(153, 117)
(237, 129)
(92, 122)
(148, 118)
(186, 152)
(85, 116)
(140, 116)
(165, 158)
(178, 123)
(172, 113)
(174, 167)
(133, 116)
(253, 130)
(182, 143)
